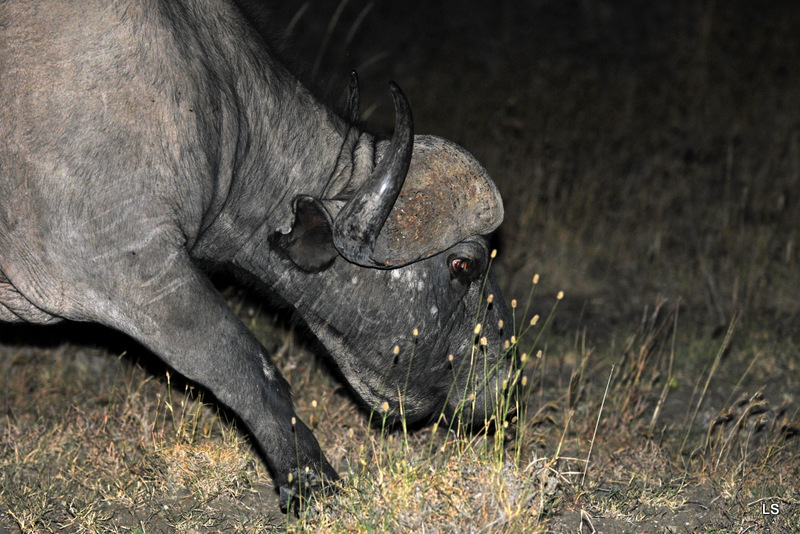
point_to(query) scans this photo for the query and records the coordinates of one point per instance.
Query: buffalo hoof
(302, 485)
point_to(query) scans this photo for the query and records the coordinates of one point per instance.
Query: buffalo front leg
(177, 314)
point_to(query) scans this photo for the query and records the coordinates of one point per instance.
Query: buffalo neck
(281, 142)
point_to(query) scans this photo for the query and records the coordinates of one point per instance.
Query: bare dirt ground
(648, 155)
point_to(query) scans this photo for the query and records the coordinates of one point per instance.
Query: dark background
(643, 149)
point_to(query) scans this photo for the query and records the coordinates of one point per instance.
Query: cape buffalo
(143, 142)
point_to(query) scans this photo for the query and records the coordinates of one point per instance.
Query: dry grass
(649, 158)
(634, 436)
(111, 457)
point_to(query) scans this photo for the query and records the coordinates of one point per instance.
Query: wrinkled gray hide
(140, 139)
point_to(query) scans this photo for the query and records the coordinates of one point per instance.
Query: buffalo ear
(309, 244)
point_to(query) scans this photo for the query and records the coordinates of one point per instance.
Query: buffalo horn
(358, 224)
(352, 99)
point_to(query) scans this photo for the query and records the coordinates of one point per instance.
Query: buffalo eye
(459, 264)
(462, 268)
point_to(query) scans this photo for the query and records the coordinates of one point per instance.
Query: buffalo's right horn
(358, 224)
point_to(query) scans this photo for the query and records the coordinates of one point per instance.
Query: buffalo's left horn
(352, 111)
(360, 221)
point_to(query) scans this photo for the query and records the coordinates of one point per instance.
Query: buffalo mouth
(485, 398)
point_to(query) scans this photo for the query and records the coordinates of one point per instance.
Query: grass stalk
(717, 359)
(596, 426)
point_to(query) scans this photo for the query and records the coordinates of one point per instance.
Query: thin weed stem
(534, 283)
(712, 371)
(546, 323)
(296, 18)
(327, 37)
(670, 376)
(596, 426)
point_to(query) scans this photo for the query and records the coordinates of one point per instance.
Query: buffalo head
(397, 282)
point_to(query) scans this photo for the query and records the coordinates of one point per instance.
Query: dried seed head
(490, 298)
(513, 303)
(513, 340)
(506, 344)
(291, 477)
(484, 341)
(396, 350)
(534, 319)
(539, 354)
(313, 404)
(385, 406)
(560, 295)
(477, 329)
(524, 380)
(500, 323)
(535, 279)
(524, 357)
(415, 333)
(294, 421)
(494, 253)
(450, 357)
